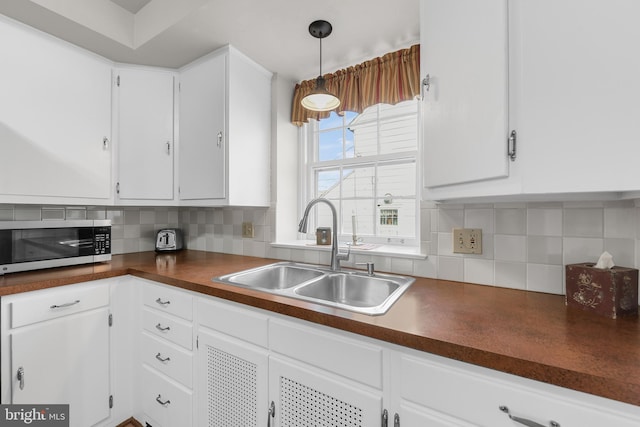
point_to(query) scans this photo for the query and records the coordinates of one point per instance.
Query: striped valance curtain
(389, 79)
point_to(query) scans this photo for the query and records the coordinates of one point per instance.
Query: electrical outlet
(467, 240)
(247, 230)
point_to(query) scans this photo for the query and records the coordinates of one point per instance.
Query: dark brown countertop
(529, 334)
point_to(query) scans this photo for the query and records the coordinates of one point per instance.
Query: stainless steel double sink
(352, 290)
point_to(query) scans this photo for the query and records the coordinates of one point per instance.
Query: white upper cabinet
(55, 120)
(202, 130)
(572, 100)
(225, 131)
(464, 54)
(145, 99)
(578, 94)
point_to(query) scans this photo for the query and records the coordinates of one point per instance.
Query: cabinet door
(311, 397)
(578, 106)
(65, 361)
(55, 119)
(145, 134)
(232, 381)
(202, 130)
(464, 51)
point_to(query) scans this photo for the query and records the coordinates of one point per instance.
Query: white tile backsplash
(510, 248)
(479, 271)
(511, 221)
(511, 274)
(544, 222)
(620, 222)
(544, 250)
(588, 222)
(525, 245)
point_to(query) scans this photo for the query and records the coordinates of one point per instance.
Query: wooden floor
(130, 423)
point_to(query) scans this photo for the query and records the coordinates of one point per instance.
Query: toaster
(169, 239)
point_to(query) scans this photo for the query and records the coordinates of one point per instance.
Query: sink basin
(273, 276)
(352, 290)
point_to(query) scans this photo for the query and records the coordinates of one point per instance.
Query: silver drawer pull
(159, 301)
(163, 329)
(20, 377)
(165, 403)
(525, 421)
(163, 360)
(69, 304)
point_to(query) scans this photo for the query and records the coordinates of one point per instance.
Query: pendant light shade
(320, 99)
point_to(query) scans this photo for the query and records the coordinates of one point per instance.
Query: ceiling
(170, 33)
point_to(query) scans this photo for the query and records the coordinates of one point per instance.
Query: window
(365, 164)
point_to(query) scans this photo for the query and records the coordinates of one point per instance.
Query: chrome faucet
(336, 257)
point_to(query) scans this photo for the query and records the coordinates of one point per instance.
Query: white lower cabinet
(185, 359)
(166, 355)
(232, 364)
(306, 396)
(451, 393)
(56, 350)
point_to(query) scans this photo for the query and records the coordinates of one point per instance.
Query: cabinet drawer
(333, 352)
(167, 358)
(168, 300)
(32, 307)
(235, 321)
(475, 395)
(171, 328)
(166, 402)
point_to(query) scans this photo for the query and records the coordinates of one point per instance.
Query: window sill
(410, 252)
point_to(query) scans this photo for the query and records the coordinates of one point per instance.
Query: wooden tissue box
(607, 292)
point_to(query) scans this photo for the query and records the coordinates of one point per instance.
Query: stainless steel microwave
(32, 245)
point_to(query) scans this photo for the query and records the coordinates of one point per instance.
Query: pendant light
(320, 99)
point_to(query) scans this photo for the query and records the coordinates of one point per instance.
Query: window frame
(308, 166)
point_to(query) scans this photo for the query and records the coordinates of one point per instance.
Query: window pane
(349, 144)
(397, 179)
(358, 182)
(396, 219)
(333, 121)
(324, 216)
(330, 145)
(366, 140)
(399, 135)
(364, 213)
(327, 181)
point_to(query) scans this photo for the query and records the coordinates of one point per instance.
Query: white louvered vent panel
(231, 390)
(304, 406)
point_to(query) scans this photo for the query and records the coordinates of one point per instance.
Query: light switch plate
(247, 230)
(467, 240)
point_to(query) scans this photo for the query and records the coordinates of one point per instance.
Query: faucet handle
(343, 256)
(370, 267)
